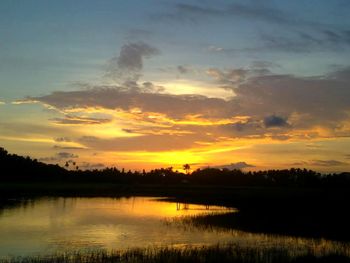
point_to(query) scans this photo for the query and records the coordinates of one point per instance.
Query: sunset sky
(148, 84)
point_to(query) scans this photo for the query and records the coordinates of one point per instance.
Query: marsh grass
(295, 245)
(218, 253)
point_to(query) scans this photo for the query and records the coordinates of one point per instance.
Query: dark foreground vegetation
(16, 168)
(296, 202)
(222, 254)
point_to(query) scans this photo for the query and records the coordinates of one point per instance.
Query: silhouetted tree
(18, 168)
(187, 167)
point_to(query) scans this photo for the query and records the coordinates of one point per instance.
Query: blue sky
(234, 51)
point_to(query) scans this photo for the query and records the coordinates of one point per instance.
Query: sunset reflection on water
(49, 225)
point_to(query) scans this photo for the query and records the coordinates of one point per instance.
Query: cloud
(306, 101)
(296, 41)
(60, 156)
(228, 78)
(151, 88)
(48, 159)
(175, 106)
(128, 130)
(323, 163)
(147, 142)
(291, 32)
(327, 163)
(183, 69)
(315, 107)
(302, 42)
(257, 11)
(313, 146)
(68, 119)
(235, 166)
(336, 37)
(246, 128)
(274, 121)
(263, 12)
(129, 64)
(66, 155)
(59, 147)
(63, 139)
(232, 78)
(132, 54)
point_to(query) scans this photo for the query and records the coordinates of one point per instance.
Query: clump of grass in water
(219, 253)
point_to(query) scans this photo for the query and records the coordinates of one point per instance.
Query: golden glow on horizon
(201, 144)
(199, 156)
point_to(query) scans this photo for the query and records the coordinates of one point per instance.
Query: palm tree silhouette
(187, 168)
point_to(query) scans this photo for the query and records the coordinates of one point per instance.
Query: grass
(276, 223)
(218, 253)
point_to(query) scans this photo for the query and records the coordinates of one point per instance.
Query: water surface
(48, 225)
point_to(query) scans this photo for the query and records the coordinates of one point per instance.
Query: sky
(147, 84)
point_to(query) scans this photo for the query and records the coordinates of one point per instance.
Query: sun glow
(186, 86)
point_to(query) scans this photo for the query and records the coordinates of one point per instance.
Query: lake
(49, 225)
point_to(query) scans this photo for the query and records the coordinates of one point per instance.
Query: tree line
(15, 168)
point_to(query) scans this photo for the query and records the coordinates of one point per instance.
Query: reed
(218, 253)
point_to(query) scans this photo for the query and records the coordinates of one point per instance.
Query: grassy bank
(228, 253)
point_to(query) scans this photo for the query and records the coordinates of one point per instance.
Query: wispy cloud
(71, 120)
(59, 147)
(323, 163)
(195, 13)
(295, 41)
(58, 157)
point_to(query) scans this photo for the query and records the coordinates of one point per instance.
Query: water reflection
(52, 224)
(48, 225)
(186, 206)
